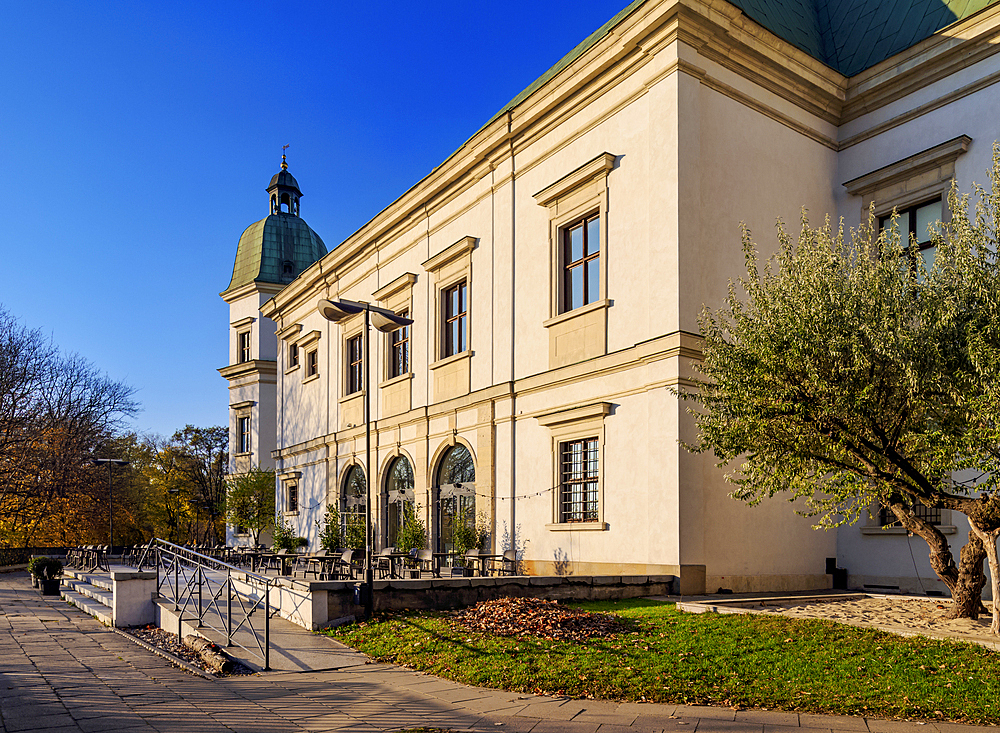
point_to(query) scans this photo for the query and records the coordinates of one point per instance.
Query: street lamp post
(385, 321)
(111, 507)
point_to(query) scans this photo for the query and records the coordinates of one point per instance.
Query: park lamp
(385, 321)
(111, 509)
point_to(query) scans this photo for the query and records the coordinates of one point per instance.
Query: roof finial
(284, 163)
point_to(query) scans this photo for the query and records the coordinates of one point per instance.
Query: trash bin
(362, 592)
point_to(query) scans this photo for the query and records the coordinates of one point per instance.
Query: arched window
(286, 203)
(398, 498)
(354, 507)
(456, 495)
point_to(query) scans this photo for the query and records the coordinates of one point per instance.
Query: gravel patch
(171, 643)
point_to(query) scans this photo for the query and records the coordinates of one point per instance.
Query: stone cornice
(405, 280)
(717, 32)
(249, 368)
(946, 152)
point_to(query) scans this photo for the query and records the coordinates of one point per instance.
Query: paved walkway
(60, 670)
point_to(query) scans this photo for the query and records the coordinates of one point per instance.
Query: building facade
(555, 266)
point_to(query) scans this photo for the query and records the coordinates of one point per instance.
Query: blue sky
(138, 138)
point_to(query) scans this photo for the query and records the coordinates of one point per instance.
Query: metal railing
(221, 596)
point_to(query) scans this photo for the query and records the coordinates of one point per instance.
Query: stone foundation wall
(448, 593)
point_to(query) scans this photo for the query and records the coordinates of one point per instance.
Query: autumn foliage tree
(847, 373)
(56, 411)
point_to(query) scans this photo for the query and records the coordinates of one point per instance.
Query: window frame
(910, 212)
(461, 317)
(293, 356)
(398, 353)
(567, 265)
(568, 426)
(582, 484)
(244, 432)
(244, 346)
(292, 497)
(312, 363)
(354, 362)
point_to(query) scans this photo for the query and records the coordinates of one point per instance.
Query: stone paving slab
(61, 670)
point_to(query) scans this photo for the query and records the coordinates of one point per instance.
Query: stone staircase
(95, 593)
(90, 592)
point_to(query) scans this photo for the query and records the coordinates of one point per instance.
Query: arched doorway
(398, 498)
(456, 495)
(354, 507)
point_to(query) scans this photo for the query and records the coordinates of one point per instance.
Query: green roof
(267, 246)
(853, 35)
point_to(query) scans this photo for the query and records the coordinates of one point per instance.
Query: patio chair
(276, 560)
(383, 562)
(346, 568)
(506, 565)
(424, 560)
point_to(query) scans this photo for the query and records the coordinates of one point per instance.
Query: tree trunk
(965, 581)
(968, 593)
(989, 541)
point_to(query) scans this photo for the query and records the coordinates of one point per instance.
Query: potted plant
(34, 569)
(47, 570)
(330, 534)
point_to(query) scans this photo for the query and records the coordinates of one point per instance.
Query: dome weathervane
(284, 163)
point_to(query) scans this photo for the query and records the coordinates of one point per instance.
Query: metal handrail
(202, 572)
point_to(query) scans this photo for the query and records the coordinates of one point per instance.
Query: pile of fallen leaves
(537, 617)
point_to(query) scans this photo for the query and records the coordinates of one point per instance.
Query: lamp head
(337, 310)
(387, 322)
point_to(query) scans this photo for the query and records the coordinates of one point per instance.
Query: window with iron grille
(399, 350)
(578, 490)
(887, 519)
(355, 364)
(456, 313)
(243, 434)
(581, 257)
(243, 347)
(293, 497)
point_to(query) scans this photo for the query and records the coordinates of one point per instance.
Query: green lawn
(749, 661)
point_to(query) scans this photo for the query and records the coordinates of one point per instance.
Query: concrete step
(98, 580)
(95, 593)
(95, 608)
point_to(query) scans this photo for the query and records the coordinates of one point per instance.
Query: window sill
(351, 397)
(944, 528)
(291, 514)
(291, 369)
(241, 455)
(577, 527)
(310, 378)
(467, 354)
(576, 312)
(396, 380)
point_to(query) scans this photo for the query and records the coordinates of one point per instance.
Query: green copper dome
(278, 248)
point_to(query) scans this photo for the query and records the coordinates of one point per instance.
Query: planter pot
(50, 587)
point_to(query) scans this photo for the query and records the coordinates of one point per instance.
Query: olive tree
(843, 371)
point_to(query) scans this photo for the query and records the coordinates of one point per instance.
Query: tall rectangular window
(456, 313)
(293, 355)
(293, 497)
(913, 223)
(355, 364)
(581, 260)
(243, 347)
(312, 363)
(243, 434)
(578, 473)
(399, 350)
